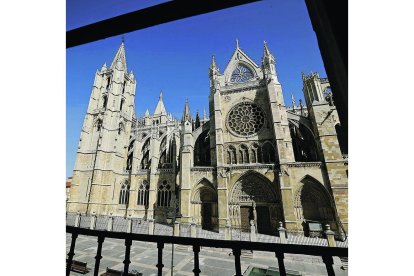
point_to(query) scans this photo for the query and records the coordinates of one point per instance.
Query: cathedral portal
(254, 200)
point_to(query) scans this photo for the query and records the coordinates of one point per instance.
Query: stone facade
(252, 159)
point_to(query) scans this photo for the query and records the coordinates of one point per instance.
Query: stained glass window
(241, 74)
(245, 119)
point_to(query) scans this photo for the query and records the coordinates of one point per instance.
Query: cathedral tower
(330, 140)
(102, 160)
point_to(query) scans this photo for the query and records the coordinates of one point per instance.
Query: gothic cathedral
(251, 159)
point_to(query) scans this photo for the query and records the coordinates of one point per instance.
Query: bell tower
(102, 156)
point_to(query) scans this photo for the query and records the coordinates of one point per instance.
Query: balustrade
(236, 246)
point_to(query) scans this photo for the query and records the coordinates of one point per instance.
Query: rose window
(245, 119)
(241, 74)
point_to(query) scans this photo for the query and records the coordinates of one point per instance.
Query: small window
(122, 104)
(123, 87)
(108, 83)
(120, 128)
(105, 101)
(99, 125)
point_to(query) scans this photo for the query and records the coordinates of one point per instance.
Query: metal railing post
(160, 265)
(328, 260)
(71, 253)
(237, 253)
(98, 256)
(280, 256)
(127, 261)
(196, 250)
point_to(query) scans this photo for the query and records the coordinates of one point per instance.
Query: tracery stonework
(241, 74)
(245, 119)
(252, 189)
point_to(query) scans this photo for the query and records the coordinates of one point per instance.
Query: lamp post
(172, 215)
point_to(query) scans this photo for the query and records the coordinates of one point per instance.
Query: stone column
(110, 222)
(253, 236)
(193, 230)
(286, 192)
(282, 233)
(129, 224)
(330, 236)
(93, 221)
(227, 231)
(151, 226)
(77, 219)
(176, 229)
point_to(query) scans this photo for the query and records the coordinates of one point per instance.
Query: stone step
(247, 254)
(344, 261)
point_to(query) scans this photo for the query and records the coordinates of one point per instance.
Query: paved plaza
(212, 261)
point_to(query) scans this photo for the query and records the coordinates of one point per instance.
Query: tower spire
(120, 58)
(197, 120)
(293, 102)
(186, 115)
(237, 43)
(160, 108)
(204, 115)
(213, 64)
(266, 52)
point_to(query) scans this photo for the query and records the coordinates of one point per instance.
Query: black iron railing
(280, 250)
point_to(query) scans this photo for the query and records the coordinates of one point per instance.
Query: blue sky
(175, 57)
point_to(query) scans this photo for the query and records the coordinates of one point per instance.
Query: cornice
(305, 164)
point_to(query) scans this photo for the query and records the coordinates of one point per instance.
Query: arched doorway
(205, 205)
(254, 198)
(208, 208)
(313, 204)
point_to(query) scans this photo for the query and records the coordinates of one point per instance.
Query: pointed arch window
(99, 125)
(146, 162)
(108, 83)
(164, 194)
(241, 74)
(256, 154)
(143, 194)
(130, 156)
(123, 87)
(163, 159)
(163, 143)
(124, 194)
(268, 153)
(244, 154)
(231, 155)
(202, 150)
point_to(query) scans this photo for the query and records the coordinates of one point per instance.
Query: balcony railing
(236, 246)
